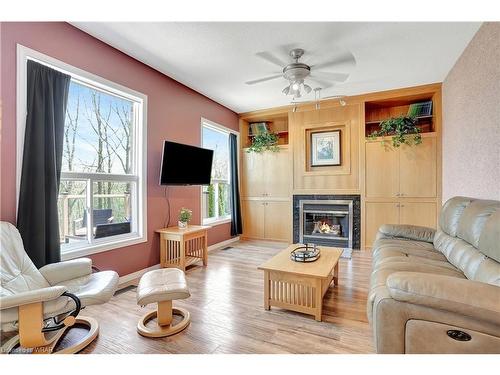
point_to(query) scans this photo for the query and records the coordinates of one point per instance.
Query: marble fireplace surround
(356, 208)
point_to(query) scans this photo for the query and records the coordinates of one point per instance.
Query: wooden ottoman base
(164, 316)
(53, 338)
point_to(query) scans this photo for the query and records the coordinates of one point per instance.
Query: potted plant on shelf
(185, 215)
(404, 130)
(264, 142)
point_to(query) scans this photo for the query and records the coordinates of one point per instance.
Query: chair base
(93, 331)
(163, 330)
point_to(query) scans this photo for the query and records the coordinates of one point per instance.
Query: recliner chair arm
(56, 273)
(32, 296)
(411, 232)
(463, 296)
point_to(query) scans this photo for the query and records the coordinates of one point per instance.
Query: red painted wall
(174, 113)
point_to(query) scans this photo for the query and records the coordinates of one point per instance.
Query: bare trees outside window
(215, 197)
(98, 184)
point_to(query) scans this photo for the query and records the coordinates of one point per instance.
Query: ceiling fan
(296, 72)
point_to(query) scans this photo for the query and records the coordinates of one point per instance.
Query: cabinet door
(253, 218)
(423, 214)
(382, 171)
(417, 168)
(278, 221)
(277, 173)
(376, 214)
(252, 175)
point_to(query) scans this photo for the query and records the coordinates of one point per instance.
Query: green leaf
(403, 129)
(264, 142)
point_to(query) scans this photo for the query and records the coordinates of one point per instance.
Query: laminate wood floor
(227, 314)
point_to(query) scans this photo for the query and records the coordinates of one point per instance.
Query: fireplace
(327, 220)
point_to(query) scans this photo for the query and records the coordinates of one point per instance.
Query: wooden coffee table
(300, 286)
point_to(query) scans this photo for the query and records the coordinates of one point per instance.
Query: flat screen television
(185, 165)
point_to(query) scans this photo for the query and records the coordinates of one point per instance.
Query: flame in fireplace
(324, 227)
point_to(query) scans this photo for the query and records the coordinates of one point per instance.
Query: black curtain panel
(37, 217)
(236, 225)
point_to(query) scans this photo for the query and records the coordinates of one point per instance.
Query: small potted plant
(404, 130)
(184, 217)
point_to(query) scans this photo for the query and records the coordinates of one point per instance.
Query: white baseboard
(136, 275)
(223, 244)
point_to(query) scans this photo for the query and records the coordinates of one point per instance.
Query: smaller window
(216, 203)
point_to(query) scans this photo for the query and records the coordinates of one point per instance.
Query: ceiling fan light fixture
(286, 90)
(307, 88)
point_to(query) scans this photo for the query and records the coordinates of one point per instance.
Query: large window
(216, 197)
(101, 199)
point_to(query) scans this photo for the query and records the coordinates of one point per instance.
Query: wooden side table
(180, 248)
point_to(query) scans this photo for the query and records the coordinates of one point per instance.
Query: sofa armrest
(32, 296)
(56, 273)
(462, 296)
(411, 232)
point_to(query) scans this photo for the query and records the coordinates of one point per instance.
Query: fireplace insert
(326, 222)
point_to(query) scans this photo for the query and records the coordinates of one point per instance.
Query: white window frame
(220, 128)
(138, 232)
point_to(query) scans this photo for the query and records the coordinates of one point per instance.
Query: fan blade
(337, 77)
(269, 57)
(253, 82)
(324, 84)
(346, 59)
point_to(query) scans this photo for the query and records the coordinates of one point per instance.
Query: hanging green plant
(404, 130)
(264, 142)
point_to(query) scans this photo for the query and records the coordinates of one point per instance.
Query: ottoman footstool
(162, 287)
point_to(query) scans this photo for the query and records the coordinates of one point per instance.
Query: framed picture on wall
(325, 148)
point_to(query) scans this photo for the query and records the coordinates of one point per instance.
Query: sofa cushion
(414, 259)
(474, 218)
(451, 213)
(475, 265)
(388, 247)
(489, 240)
(378, 279)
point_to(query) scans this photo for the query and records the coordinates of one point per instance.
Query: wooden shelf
(277, 123)
(379, 121)
(381, 110)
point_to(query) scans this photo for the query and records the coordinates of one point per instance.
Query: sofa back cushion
(469, 237)
(450, 214)
(472, 223)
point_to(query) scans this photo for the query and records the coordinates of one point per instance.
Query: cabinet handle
(401, 194)
(397, 194)
(402, 205)
(398, 205)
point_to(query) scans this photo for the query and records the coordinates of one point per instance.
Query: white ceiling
(216, 58)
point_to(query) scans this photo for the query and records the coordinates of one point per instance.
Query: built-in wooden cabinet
(382, 171)
(414, 213)
(378, 213)
(418, 169)
(265, 219)
(266, 180)
(418, 213)
(401, 185)
(396, 185)
(266, 174)
(407, 171)
(253, 218)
